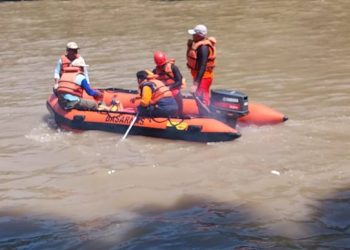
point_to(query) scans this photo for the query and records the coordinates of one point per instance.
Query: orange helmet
(160, 58)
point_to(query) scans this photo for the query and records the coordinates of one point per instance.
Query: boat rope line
(115, 115)
(169, 120)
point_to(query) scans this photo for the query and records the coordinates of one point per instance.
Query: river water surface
(276, 187)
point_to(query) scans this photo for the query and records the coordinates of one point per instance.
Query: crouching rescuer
(156, 100)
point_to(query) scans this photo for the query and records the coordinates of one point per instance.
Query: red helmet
(160, 58)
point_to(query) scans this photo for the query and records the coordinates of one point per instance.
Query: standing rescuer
(201, 56)
(170, 75)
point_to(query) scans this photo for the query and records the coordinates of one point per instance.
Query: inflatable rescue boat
(197, 123)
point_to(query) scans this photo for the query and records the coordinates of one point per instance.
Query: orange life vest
(166, 75)
(67, 85)
(159, 90)
(66, 62)
(192, 55)
(164, 72)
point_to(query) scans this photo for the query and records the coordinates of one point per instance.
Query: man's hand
(98, 96)
(133, 100)
(193, 89)
(55, 86)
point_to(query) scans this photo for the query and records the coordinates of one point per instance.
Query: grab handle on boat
(78, 118)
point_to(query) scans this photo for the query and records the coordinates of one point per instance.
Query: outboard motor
(228, 105)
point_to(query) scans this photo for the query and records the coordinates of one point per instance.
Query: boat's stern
(228, 105)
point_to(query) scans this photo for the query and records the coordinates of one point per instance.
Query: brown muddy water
(276, 187)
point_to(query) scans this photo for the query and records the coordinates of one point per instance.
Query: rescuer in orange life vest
(201, 55)
(71, 86)
(66, 60)
(170, 75)
(156, 98)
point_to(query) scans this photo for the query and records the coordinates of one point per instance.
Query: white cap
(72, 45)
(200, 29)
(79, 62)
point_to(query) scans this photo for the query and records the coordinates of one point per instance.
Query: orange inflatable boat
(197, 123)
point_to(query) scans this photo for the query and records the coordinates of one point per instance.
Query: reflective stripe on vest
(159, 90)
(192, 53)
(67, 84)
